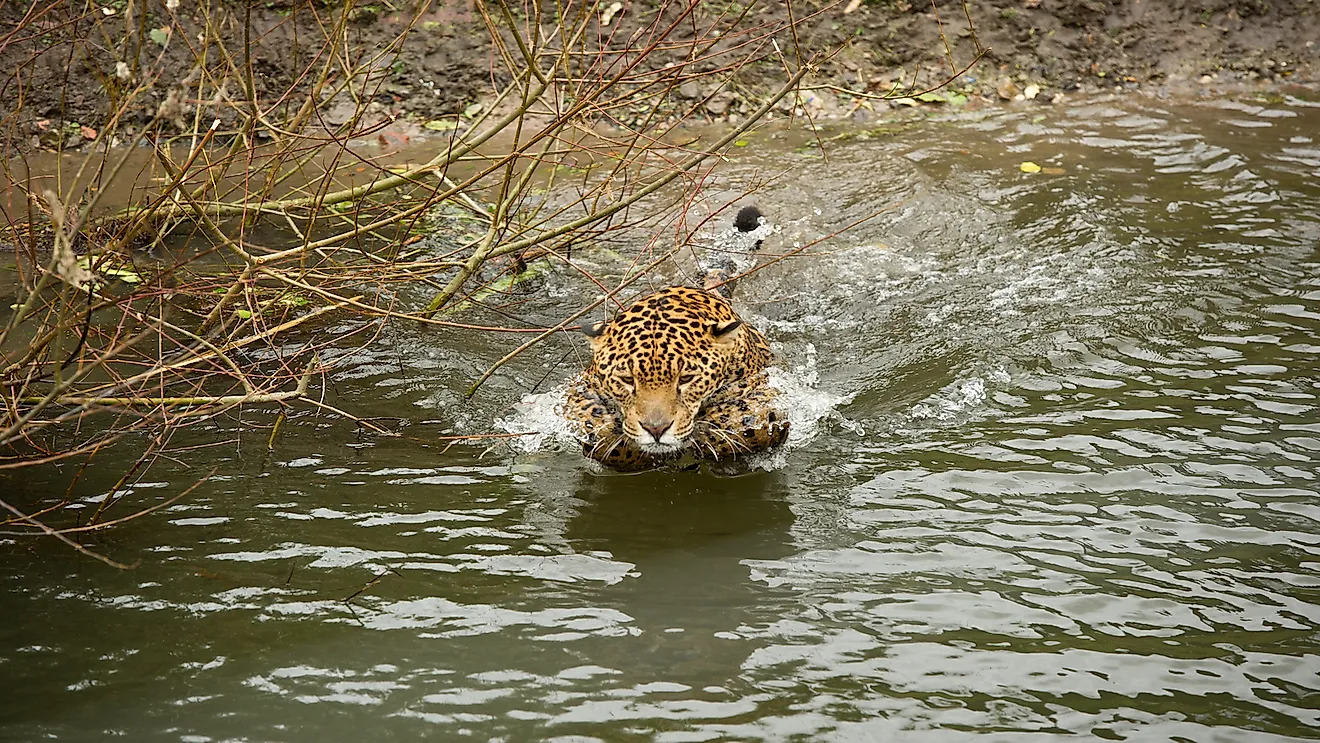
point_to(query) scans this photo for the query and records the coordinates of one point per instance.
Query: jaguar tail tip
(748, 219)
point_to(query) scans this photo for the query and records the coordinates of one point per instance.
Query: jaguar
(677, 373)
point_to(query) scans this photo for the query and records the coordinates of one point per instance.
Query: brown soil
(64, 69)
(1098, 44)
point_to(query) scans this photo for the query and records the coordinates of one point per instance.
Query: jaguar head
(659, 361)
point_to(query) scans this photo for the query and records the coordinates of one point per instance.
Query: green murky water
(1058, 480)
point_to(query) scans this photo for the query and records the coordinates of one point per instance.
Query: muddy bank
(1094, 44)
(71, 69)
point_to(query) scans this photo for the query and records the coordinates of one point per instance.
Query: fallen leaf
(1053, 171)
(1007, 89)
(608, 14)
(1029, 167)
(245, 314)
(160, 35)
(441, 125)
(1031, 92)
(472, 110)
(852, 5)
(931, 98)
(87, 132)
(741, 143)
(123, 274)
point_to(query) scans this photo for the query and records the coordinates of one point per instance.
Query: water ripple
(1060, 482)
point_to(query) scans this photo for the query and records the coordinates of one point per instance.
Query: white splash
(959, 399)
(800, 397)
(740, 247)
(537, 415)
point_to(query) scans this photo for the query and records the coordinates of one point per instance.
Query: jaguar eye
(627, 379)
(687, 379)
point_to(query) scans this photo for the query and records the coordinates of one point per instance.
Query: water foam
(740, 248)
(537, 417)
(806, 405)
(958, 401)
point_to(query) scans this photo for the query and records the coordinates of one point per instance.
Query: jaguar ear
(725, 332)
(595, 331)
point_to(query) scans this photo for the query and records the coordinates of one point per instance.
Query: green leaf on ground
(160, 35)
(741, 143)
(441, 125)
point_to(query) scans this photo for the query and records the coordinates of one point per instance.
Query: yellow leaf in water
(1029, 167)
(123, 274)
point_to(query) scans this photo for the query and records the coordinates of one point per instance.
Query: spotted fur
(676, 373)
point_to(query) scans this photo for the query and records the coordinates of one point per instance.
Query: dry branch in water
(186, 259)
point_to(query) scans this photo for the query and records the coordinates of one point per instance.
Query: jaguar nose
(657, 429)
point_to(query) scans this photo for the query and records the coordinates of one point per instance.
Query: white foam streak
(537, 415)
(805, 403)
(956, 401)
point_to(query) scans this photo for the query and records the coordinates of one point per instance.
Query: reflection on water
(1060, 482)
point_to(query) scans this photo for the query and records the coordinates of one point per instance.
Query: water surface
(1060, 481)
